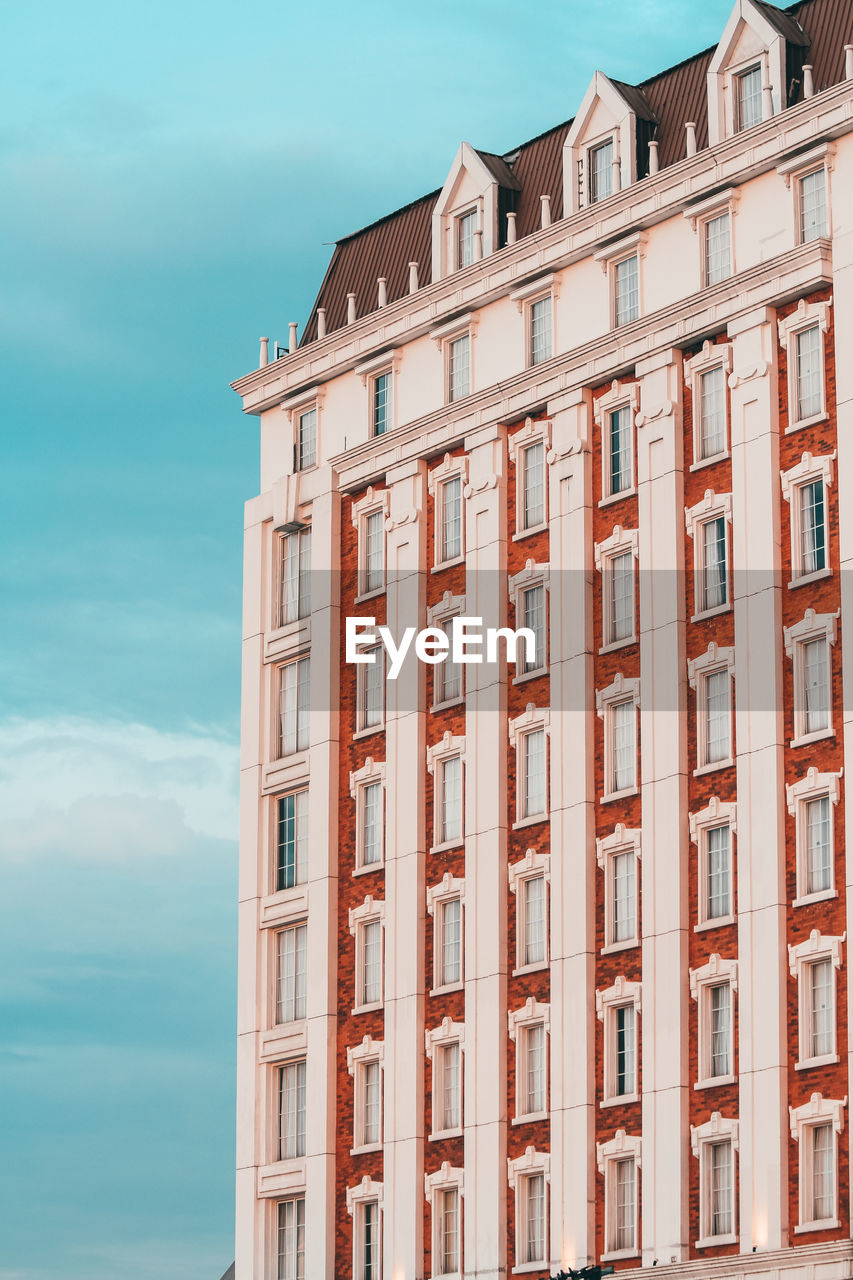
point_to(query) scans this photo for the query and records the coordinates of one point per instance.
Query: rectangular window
(712, 413)
(821, 1012)
(533, 617)
(533, 1065)
(535, 1216)
(619, 584)
(291, 1110)
(718, 249)
(450, 801)
(466, 226)
(449, 1099)
(722, 1189)
(718, 717)
(295, 578)
(294, 699)
(600, 171)
(371, 690)
(818, 840)
(371, 962)
(720, 1008)
(459, 368)
(292, 841)
(812, 193)
(448, 958)
(619, 451)
(534, 797)
(625, 1048)
(812, 527)
(623, 761)
(382, 385)
(369, 1259)
(625, 1216)
(447, 675)
(719, 872)
(534, 940)
(747, 87)
(371, 824)
(450, 540)
(291, 977)
(714, 585)
(370, 1104)
(815, 685)
(533, 486)
(823, 1173)
(541, 342)
(306, 448)
(373, 552)
(626, 291)
(624, 888)
(447, 1233)
(809, 373)
(291, 1239)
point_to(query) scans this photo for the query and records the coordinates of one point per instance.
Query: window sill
(368, 867)
(702, 615)
(526, 1268)
(447, 564)
(528, 533)
(623, 1101)
(715, 1082)
(625, 945)
(539, 967)
(536, 674)
(806, 422)
(606, 502)
(617, 644)
(805, 739)
(451, 702)
(614, 1255)
(806, 579)
(712, 768)
(531, 1118)
(825, 1060)
(367, 1008)
(709, 462)
(363, 596)
(363, 1151)
(442, 1134)
(447, 845)
(718, 922)
(808, 898)
(293, 630)
(366, 733)
(443, 991)
(530, 822)
(619, 795)
(828, 1224)
(712, 1242)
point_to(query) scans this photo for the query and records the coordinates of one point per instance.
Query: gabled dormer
(755, 70)
(606, 147)
(469, 220)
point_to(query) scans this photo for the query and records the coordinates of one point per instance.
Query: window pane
(541, 346)
(292, 1111)
(821, 1012)
(294, 707)
(534, 774)
(450, 954)
(450, 800)
(291, 987)
(625, 1208)
(624, 748)
(447, 674)
(818, 852)
(719, 872)
(815, 686)
(460, 368)
(620, 450)
(295, 583)
(601, 171)
(381, 404)
(371, 1102)
(812, 527)
(533, 920)
(627, 291)
(712, 413)
(451, 519)
(620, 576)
(307, 452)
(748, 91)
(466, 226)
(625, 1048)
(371, 973)
(534, 1070)
(722, 1189)
(448, 1232)
(292, 832)
(533, 485)
(721, 1030)
(374, 551)
(809, 375)
(624, 897)
(718, 249)
(714, 567)
(813, 205)
(823, 1173)
(535, 1208)
(371, 816)
(371, 1263)
(291, 1240)
(450, 1081)
(372, 678)
(717, 717)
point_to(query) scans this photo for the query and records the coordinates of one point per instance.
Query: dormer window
(748, 92)
(466, 227)
(600, 162)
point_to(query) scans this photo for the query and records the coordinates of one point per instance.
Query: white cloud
(104, 790)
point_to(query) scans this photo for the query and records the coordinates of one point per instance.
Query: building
(546, 965)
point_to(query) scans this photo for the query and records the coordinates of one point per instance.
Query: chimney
(654, 163)
(265, 352)
(545, 214)
(413, 277)
(291, 342)
(350, 308)
(691, 138)
(848, 62)
(510, 228)
(321, 322)
(808, 82)
(382, 291)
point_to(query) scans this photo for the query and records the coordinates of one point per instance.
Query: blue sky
(169, 175)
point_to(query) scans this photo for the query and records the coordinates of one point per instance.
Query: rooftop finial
(321, 322)
(768, 100)
(265, 352)
(691, 138)
(545, 214)
(808, 82)
(511, 230)
(617, 165)
(382, 291)
(413, 277)
(291, 341)
(478, 245)
(654, 160)
(350, 308)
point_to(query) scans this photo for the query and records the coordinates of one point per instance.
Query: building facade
(546, 964)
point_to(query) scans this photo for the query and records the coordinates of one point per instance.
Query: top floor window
(306, 442)
(748, 92)
(466, 227)
(382, 403)
(600, 161)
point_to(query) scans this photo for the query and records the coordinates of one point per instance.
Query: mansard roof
(664, 103)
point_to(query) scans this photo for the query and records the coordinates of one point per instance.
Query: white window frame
(371, 773)
(277, 985)
(472, 215)
(295, 1198)
(372, 502)
(439, 616)
(610, 138)
(539, 290)
(303, 588)
(622, 840)
(808, 470)
(301, 857)
(610, 259)
(446, 1178)
(364, 672)
(806, 316)
(533, 866)
(280, 1067)
(699, 215)
(519, 1171)
(621, 689)
(801, 958)
(437, 756)
(532, 1013)
(703, 1138)
(620, 995)
(446, 1034)
(531, 576)
(817, 1111)
(445, 336)
(368, 1053)
(621, 1146)
(449, 889)
(736, 74)
(803, 166)
(716, 813)
(716, 973)
(715, 659)
(813, 626)
(619, 396)
(535, 431)
(814, 786)
(365, 1192)
(621, 542)
(449, 468)
(712, 356)
(302, 712)
(714, 506)
(532, 720)
(371, 911)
